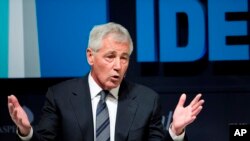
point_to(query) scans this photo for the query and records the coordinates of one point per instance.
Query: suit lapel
(81, 103)
(126, 111)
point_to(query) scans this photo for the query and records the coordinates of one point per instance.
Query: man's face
(109, 64)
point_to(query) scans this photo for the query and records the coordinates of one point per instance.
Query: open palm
(183, 116)
(18, 115)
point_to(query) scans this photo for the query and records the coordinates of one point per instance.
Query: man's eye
(124, 59)
(109, 58)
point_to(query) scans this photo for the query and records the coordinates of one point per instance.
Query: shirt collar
(95, 88)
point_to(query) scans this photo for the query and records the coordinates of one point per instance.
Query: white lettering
(240, 132)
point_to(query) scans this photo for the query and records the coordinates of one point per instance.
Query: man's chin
(112, 86)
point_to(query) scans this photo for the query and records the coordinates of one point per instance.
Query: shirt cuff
(175, 137)
(26, 138)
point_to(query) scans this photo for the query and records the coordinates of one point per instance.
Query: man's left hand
(183, 116)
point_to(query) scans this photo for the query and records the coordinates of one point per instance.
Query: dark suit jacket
(67, 114)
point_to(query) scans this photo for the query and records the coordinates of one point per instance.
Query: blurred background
(181, 46)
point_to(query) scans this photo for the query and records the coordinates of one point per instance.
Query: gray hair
(99, 32)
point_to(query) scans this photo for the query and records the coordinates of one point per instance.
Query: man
(132, 111)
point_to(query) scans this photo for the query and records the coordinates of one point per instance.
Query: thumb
(182, 100)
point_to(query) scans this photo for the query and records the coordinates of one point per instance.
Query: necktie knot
(104, 94)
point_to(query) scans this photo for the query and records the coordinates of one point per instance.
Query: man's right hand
(19, 116)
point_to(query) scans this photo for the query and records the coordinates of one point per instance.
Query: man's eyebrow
(111, 52)
(127, 54)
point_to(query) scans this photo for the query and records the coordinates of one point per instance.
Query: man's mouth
(115, 78)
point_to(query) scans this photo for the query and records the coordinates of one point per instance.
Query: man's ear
(90, 56)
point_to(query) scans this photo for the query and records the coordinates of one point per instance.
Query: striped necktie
(102, 119)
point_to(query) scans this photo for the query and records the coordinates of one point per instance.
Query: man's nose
(117, 64)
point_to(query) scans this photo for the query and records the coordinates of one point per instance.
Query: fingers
(195, 100)
(13, 113)
(13, 106)
(12, 99)
(196, 105)
(12, 103)
(197, 111)
(182, 100)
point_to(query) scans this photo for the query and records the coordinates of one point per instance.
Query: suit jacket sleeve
(156, 126)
